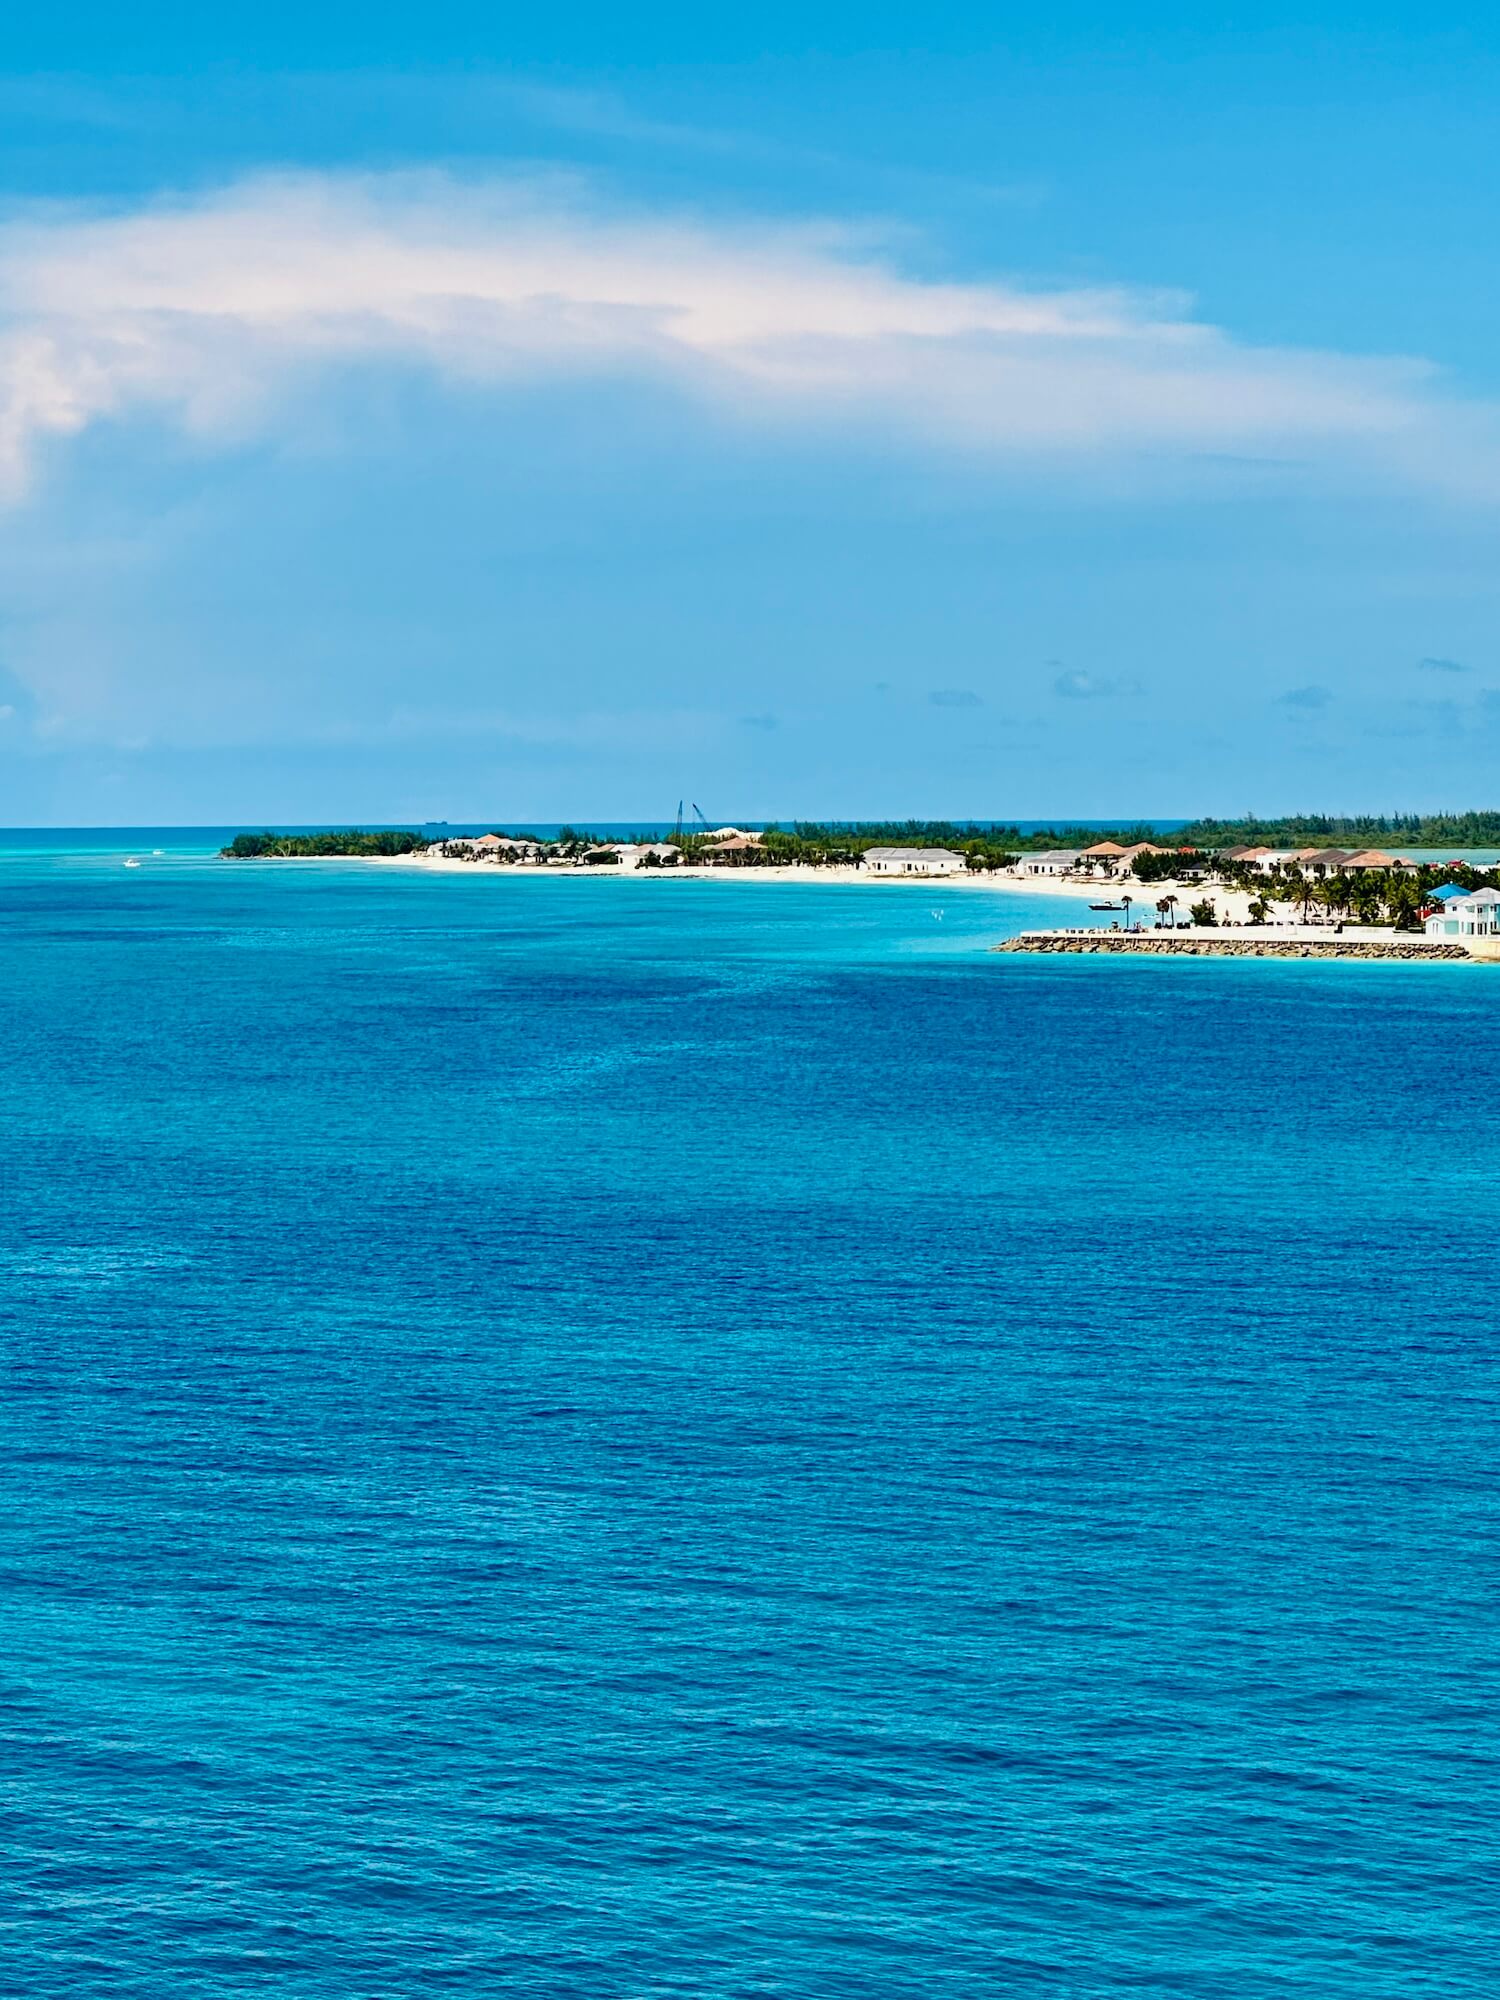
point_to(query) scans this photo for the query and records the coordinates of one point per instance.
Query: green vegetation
(822, 843)
(1177, 865)
(302, 846)
(1471, 829)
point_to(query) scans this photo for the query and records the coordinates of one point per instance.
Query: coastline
(1233, 905)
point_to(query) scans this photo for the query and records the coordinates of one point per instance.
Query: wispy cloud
(204, 310)
(955, 698)
(1306, 698)
(1433, 665)
(1076, 685)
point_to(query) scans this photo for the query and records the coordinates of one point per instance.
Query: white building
(646, 854)
(1058, 861)
(914, 861)
(1465, 915)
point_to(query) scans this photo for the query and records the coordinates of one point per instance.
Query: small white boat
(131, 862)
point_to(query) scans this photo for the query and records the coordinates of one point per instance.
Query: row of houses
(1108, 857)
(1321, 861)
(725, 847)
(1105, 857)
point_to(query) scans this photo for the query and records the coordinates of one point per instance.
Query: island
(1313, 887)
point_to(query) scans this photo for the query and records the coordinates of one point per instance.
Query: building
(913, 861)
(1464, 913)
(1104, 854)
(739, 850)
(1057, 861)
(1379, 863)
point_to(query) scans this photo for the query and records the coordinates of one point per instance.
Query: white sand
(1232, 905)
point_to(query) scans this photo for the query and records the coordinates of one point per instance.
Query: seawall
(1208, 944)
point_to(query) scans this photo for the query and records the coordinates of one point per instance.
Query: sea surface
(625, 1439)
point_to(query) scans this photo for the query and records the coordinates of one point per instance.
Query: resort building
(629, 854)
(1378, 863)
(1464, 913)
(1324, 861)
(735, 851)
(1103, 854)
(913, 861)
(1058, 861)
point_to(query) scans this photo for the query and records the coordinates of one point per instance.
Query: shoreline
(1233, 905)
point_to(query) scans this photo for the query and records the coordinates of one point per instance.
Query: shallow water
(608, 1439)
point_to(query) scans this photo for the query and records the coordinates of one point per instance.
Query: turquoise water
(642, 1439)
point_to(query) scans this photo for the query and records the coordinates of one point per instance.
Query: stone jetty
(1235, 944)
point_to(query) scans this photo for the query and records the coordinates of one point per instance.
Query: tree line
(308, 846)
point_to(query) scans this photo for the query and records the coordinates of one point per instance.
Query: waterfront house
(1324, 861)
(1320, 861)
(1056, 861)
(1380, 863)
(737, 851)
(1457, 912)
(913, 861)
(1105, 854)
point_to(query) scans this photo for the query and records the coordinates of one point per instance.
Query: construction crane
(677, 828)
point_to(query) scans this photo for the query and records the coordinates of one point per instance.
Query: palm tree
(1127, 901)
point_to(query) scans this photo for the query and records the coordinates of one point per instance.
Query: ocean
(620, 1439)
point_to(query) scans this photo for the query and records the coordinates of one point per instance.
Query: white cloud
(1076, 685)
(205, 309)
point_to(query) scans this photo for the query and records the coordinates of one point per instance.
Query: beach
(1232, 905)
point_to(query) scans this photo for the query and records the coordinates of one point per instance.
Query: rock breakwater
(1152, 944)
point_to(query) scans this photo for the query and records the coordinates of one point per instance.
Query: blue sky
(819, 412)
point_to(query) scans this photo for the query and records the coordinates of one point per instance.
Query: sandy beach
(1232, 905)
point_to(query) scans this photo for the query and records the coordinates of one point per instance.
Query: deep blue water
(640, 1439)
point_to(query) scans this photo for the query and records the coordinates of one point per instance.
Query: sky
(413, 414)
